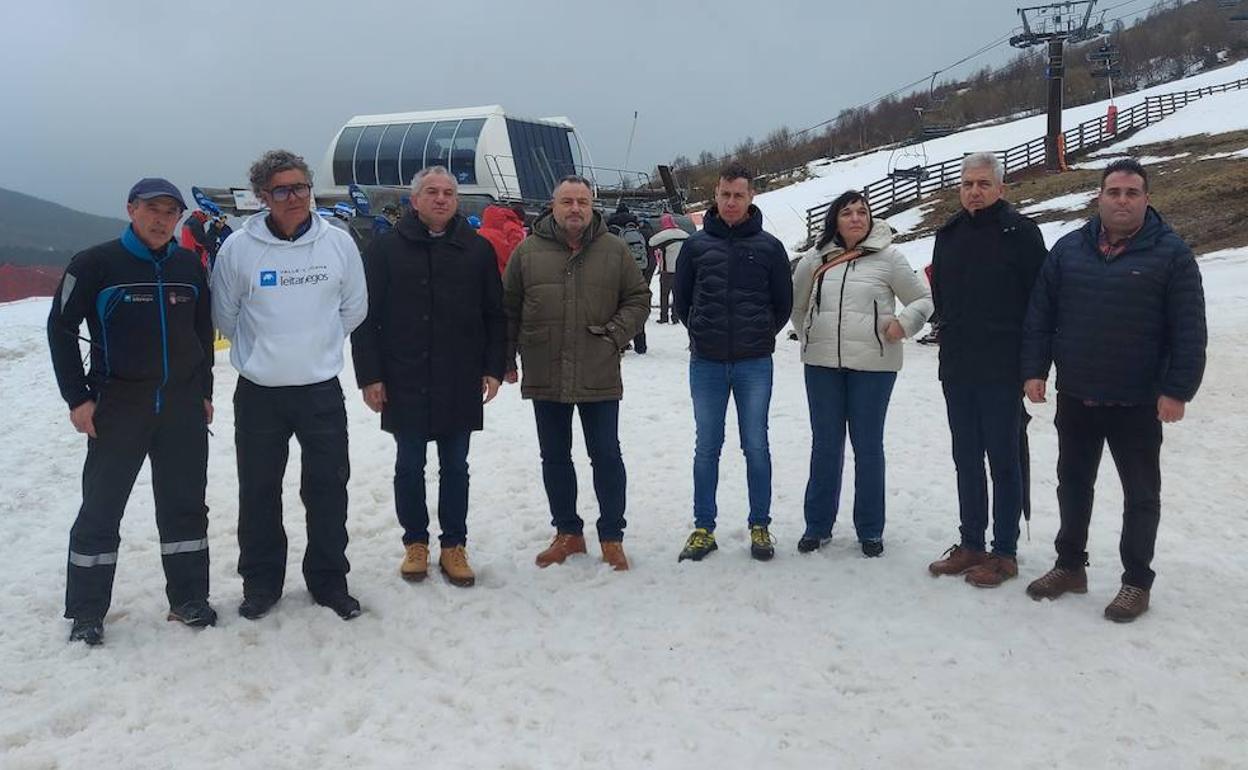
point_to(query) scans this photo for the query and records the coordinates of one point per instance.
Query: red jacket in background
(195, 237)
(504, 229)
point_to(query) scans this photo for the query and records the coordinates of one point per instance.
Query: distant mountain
(39, 232)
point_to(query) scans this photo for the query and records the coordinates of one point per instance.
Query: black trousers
(129, 429)
(1134, 437)
(639, 341)
(264, 421)
(667, 287)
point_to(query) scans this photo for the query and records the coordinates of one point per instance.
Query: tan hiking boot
(563, 546)
(613, 554)
(995, 570)
(1130, 603)
(1058, 581)
(454, 564)
(956, 560)
(415, 564)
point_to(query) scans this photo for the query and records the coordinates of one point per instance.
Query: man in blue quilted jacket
(734, 294)
(1120, 310)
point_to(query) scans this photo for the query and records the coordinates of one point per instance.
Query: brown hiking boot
(613, 554)
(1130, 603)
(415, 564)
(995, 570)
(956, 560)
(454, 564)
(563, 546)
(1058, 581)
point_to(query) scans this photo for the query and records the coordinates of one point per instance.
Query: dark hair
(573, 179)
(273, 163)
(829, 222)
(736, 171)
(1125, 166)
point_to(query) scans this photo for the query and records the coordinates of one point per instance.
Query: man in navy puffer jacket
(1119, 307)
(734, 294)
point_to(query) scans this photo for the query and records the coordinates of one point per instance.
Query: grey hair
(275, 162)
(985, 160)
(419, 180)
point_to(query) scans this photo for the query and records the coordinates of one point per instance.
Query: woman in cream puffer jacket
(845, 313)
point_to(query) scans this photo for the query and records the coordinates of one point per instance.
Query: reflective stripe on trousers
(184, 546)
(98, 560)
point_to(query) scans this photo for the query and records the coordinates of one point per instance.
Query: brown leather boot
(415, 564)
(956, 560)
(1058, 581)
(1130, 603)
(563, 546)
(453, 562)
(993, 572)
(613, 554)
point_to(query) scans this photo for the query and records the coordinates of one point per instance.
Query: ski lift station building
(489, 152)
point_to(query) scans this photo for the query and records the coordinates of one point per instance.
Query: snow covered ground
(784, 210)
(825, 660)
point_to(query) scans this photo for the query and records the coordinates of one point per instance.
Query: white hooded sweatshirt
(287, 307)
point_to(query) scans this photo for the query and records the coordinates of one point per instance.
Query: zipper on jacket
(164, 334)
(840, 316)
(875, 313)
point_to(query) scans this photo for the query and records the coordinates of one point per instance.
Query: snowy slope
(784, 210)
(826, 660)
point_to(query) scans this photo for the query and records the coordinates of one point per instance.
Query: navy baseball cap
(155, 187)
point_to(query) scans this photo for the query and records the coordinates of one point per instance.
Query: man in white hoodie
(288, 289)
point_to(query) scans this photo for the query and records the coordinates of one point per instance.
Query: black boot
(342, 603)
(89, 631)
(257, 604)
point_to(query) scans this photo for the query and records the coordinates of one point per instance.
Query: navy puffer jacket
(733, 292)
(1122, 329)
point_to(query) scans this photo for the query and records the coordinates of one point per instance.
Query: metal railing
(888, 194)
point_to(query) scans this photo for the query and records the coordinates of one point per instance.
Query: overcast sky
(96, 95)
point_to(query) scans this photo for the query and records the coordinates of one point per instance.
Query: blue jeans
(859, 400)
(600, 422)
(409, 487)
(986, 419)
(710, 384)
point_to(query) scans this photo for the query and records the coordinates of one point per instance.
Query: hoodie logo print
(268, 277)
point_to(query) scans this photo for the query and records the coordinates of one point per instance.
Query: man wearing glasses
(288, 289)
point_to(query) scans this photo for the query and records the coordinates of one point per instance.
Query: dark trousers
(264, 421)
(985, 419)
(667, 288)
(409, 487)
(128, 429)
(1134, 437)
(639, 342)
(600, 424)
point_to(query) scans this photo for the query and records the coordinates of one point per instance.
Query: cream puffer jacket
(842, 325)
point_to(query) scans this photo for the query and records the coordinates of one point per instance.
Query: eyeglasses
(283, 192)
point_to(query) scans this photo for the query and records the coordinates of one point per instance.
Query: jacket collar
(880, 238)
(545, 227)
(751, 225)
(412, 229)
(138, 248)
(1152, 231)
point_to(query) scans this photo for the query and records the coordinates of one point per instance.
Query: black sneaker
(89, 631)
(762, 547)
(257, 605)
(872, 548)
(342, 603)
(197, 613)
(809, 544)
(700, 544)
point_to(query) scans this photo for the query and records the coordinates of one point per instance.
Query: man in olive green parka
(574, 299)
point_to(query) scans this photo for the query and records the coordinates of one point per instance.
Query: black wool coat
(435, 326)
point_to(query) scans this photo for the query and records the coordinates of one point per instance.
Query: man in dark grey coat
(1119, 308)
(428, 356)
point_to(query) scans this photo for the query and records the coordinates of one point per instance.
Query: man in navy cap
(147, 394)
